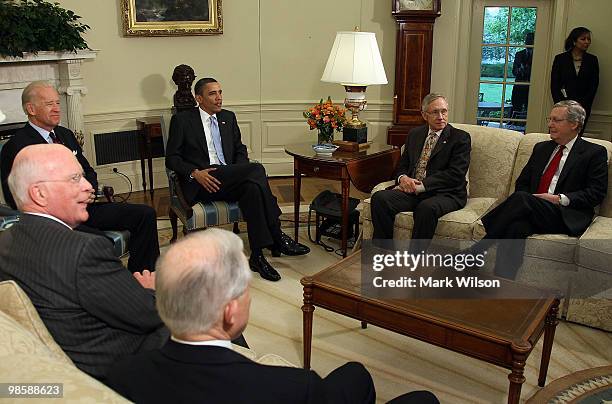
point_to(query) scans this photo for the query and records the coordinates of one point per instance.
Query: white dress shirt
(43, 132)
(224, 343)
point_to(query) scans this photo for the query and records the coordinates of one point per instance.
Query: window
(507, 48)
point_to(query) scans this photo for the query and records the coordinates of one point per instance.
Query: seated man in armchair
(430, 177)
(205, 149)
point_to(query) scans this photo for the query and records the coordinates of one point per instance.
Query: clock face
(415, 5)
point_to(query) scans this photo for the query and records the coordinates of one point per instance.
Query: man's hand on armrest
(146, 279)
(204, 178)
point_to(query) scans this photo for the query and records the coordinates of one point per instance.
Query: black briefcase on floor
(328, 217)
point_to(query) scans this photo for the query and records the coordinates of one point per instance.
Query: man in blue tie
(205, 149)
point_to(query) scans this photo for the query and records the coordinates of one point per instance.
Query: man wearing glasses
(557, 191)
(430, 177)
(95, 310)
(41, 103)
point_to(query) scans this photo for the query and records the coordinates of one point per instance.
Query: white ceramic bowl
(324, 149)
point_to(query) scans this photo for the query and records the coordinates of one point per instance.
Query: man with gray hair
(41, 102)
(203, 298)
(93, 307)
(430, 179)
(556, 192)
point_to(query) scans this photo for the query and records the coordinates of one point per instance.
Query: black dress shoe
(288, 246)
(259, 264)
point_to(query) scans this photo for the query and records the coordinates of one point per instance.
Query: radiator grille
(116, 147)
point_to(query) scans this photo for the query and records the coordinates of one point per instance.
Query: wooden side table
(148, 128)
(364, 168)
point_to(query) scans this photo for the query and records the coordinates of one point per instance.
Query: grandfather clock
(415, 20)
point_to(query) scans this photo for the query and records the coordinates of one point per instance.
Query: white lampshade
(355, 60)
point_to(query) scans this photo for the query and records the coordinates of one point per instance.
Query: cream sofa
(28, 353)
(553, 260)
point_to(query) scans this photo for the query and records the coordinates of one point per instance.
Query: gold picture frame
(171, 17)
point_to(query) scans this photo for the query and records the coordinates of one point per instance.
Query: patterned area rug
(590, 386)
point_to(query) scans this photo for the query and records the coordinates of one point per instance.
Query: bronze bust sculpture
(183, 76)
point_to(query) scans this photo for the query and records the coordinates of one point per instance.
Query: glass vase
(325, 136)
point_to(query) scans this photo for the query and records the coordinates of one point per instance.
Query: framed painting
(172, 17)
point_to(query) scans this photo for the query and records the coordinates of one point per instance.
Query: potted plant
(326, 117)
(37, 25)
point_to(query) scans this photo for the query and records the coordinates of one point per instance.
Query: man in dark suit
(41, 103)
(430, 177)
(95, 310)
(199, 364)
(556, 192)
(205, 149)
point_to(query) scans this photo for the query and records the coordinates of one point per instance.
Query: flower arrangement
(326, 117)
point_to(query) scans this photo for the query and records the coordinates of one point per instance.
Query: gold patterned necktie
(421, 169)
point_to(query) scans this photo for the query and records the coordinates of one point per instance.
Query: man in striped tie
(557, 191)
(430, 180)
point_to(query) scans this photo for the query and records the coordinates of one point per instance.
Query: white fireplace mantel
(62, 69)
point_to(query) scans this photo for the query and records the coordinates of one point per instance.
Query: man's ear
(38, 194)
(199, 98)
(229, 312)
(29, 108)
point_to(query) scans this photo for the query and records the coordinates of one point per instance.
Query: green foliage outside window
(37, 25)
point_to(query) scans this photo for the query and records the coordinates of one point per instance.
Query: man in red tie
(557, 191)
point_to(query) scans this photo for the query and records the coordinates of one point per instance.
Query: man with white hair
(556, 192)
(93, 307)
(203, 298)
(41, 102)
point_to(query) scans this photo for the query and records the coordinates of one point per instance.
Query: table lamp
(355, 63)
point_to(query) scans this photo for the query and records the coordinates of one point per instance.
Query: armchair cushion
(16, 304)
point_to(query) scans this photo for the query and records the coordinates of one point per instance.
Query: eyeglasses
(555, 120)
(436, 112)
(74, 179)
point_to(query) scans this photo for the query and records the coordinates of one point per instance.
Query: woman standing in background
(575, 73)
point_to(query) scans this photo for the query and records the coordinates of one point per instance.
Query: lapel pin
(74, 152)
(222, 122)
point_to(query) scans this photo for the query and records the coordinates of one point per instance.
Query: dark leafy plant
(37, 25)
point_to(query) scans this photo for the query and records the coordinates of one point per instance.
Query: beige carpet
(398, 364)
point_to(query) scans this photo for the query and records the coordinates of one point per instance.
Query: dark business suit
(583, 179)
(521, 69)
(139, 220)
(445, 185)
(579, 87)
(241, 180)
(180, 373)
(92, 306)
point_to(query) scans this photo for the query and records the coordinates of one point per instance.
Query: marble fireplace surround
(62, 69)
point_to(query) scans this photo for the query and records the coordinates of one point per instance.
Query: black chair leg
(236, 229)
(174, 224)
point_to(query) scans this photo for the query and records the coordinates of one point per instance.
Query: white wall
(269, 61)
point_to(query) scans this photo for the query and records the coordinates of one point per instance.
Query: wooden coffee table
(502, 331)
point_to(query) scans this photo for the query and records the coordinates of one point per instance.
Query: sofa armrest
(382, 185)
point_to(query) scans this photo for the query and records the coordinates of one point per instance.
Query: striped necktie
(54, 138)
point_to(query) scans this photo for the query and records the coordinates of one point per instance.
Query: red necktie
(550, 172)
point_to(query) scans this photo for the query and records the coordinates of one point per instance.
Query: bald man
(93, 307)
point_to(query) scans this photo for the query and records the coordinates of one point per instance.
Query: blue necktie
(216, 138)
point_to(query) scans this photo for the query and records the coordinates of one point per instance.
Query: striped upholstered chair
(202, 214)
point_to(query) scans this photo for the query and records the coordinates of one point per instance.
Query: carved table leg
(297, 184)
(520, 351)
(307, 309)
(549, 336)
